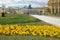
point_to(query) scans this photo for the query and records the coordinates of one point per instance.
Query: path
(51, 20)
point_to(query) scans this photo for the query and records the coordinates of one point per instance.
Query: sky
(21, 3)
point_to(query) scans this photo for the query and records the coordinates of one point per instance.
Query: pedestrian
(3, 14)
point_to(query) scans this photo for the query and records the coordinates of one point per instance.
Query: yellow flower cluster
(45, 30)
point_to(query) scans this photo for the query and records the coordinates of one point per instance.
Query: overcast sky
(21, 3)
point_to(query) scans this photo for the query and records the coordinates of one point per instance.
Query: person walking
(3, 14)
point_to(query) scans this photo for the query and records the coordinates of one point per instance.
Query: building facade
(54, 6)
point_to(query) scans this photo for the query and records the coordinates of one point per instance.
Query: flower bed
(45, 30)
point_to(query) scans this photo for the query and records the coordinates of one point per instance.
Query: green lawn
(53, 15)
(21, 19)
(25, 37)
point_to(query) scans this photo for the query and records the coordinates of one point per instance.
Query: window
(52, 8)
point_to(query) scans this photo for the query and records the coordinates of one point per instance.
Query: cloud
(34, 3)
